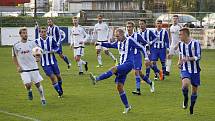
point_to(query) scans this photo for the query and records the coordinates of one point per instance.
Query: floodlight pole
(35, 8)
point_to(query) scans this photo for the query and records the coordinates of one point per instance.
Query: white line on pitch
(20, 116)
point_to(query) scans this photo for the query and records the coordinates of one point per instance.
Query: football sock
(41, 92)
(80, 66)
(168, 65)
(60, 82)
(146, 79)
(193, 99)
(163, 67)
(99, 58)
(138, 82)
(124, 99)
(57, 87)
(111, 55)
(148, 71)
(104, 75)
(66, 60)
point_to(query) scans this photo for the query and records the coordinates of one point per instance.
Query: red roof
(12, 2)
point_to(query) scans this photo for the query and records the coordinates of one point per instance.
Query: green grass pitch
(84, 102)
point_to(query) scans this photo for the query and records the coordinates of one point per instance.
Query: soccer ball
(37, 53)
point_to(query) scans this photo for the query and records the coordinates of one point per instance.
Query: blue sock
(185, 93)
(193, 99)
(104, 75)
(148, 71)
(146, 79)
(60, 85)
(155, 68)
(66, 60)
(57, 87)
(163, 67)
(138, 83)
(124, 99)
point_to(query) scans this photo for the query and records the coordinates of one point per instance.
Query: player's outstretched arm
(108, 45)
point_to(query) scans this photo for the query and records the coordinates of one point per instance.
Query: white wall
(10, 35)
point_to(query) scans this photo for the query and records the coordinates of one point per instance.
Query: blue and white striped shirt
(54, 31)
(49, 46)
(162, 39)
(149, 36)
(192, 49)
(126, 49)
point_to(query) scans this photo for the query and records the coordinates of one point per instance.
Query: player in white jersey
(101, 32)
(26, 64)
(174, 33)
(79, 36)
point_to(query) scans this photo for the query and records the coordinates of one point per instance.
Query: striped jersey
(49, 46)
(126, 49)
(139, 39)
(162, 39)
(192, 49)
(54, 31)
(149, 36)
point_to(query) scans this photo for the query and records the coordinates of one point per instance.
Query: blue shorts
(122, 71)
(51, 69)
(137, 61)
(194, 77)
(158, 53)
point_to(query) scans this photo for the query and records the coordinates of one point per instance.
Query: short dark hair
(22, 29)
(50, 19)
(175, 15)
(160, 21)
(99, 15)
(185, 30)
(42, 27)
(130, 22)
(143, 20)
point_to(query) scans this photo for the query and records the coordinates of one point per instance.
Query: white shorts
(32, 76)
(79, 51)
(99, 47)
(172, 51)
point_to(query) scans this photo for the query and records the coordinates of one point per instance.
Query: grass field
(85, 102)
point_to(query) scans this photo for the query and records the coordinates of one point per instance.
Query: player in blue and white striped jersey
(48, 60)
(138, 58)
(126, 47)
(54, 31)
(150, 37)
(189, 59)
(159, 48)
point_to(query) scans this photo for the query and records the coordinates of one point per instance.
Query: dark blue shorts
(137, 61)
(194, 77)
(158, 53)
(122, 71)
(51, 69)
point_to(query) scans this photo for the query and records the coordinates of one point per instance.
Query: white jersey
(78, 35)
(174, 30)
(23, 52)
(101, 32)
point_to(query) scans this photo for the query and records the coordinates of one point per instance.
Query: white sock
(80, 66)
(83, 62)
(111, 55)
(168, 64)
(41, 92)
(99, 58)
